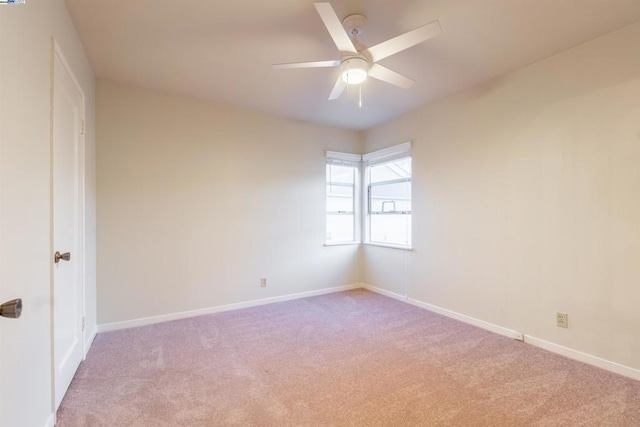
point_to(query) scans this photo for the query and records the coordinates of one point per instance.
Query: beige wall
(25, 197)
(197, 201)
(527, 200)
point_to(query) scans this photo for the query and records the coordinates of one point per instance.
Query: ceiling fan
(358, 63)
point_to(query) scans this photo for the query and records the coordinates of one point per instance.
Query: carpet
(352, 358)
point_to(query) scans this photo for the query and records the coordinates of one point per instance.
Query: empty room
(299, 213)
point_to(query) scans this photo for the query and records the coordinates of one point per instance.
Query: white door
(25, 214)
(67, 290)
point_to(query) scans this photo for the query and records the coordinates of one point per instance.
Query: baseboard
(546, 345)
(51, 421)
(584, 357)
(218, 309)
(89, 342)
(452, 314)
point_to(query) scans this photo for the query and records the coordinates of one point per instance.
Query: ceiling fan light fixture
(354, 71)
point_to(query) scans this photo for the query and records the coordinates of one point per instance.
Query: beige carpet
(347, 359)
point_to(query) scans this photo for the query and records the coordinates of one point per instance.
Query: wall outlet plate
(263, 282)
(562, 320)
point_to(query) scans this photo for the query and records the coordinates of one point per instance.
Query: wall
(527, 201)
(197, 201)
(25, 197)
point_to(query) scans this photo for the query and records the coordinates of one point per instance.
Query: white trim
(218, 309)
(341, 244)
(389, 245)
(452, 314)
(510, 333)
(589, 359)
(51, 421)
(384, 292)
(347, 157)
(89, 341)
(389, 153)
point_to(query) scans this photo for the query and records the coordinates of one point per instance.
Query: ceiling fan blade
(315, 64)
(335, 28)
(404, 41)
(379, 72)
(337, 89)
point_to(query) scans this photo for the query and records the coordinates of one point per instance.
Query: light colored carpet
(351, 358)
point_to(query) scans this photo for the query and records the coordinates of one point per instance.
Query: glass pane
(340, 173)
(339, 190)
(391, 197)
(393, 229)
(339, 198)
(337, 204)
(339, 228)
(389, 171)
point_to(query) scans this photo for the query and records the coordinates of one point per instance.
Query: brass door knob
(11, 309)
(65, 257)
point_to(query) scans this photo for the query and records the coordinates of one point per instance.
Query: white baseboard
(218, 309)
(546, 345)
(585, 357)
(51, 421)
(89, 342)
(461, 317)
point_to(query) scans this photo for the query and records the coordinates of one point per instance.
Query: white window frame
(385, 155)
(354, 160)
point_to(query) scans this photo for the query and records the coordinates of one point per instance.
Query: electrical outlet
(562, 320)
(263, 282)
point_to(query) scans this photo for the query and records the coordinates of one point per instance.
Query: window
(341, 183)
(388, 178)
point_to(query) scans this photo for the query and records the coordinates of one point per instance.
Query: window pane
(339, 198)
(393, 229)
(339, 228)
(391, 197)
(389, 171)
(340, 202)
(339, 173)
(339, 190)
(387, 199)
(337, 204)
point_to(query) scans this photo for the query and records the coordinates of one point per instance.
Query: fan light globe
(354, 71)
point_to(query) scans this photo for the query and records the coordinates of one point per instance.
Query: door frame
(79, 211)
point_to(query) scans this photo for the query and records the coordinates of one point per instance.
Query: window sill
(341, 243)
(389, 245)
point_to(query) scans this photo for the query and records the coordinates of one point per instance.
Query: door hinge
(83, 321)
(82, 128)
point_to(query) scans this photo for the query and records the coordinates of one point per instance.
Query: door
(26, 395)
(67, 248)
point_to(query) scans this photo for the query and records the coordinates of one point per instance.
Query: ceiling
(222, 50)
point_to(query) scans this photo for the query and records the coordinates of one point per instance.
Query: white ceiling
(222, 50)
